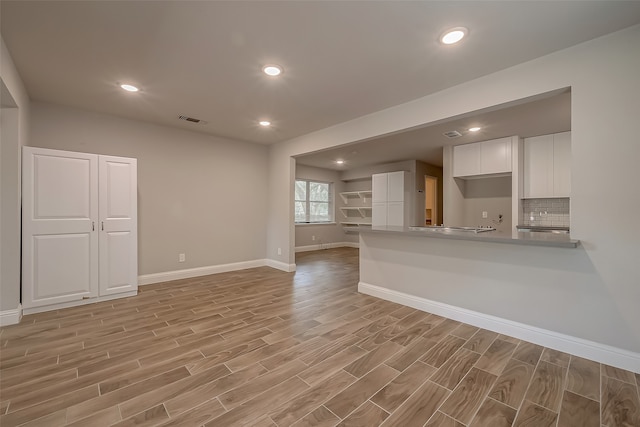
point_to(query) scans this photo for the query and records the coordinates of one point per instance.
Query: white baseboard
(78, 303)
(279, 265)
(327, 246)
(147, 279)
(11, 317)
(580, 347)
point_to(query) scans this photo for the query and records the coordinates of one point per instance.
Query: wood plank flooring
(261, 347)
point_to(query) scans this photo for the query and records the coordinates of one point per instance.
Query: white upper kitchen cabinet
(482, 158)
(547, 166)
(466, 160)
(495, 156)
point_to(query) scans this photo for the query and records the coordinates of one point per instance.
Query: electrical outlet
(182, 257)
(313, 237)
(485, 214)
(279, 251)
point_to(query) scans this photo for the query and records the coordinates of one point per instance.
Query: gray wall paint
(197, 194)
(492, 195)
(14, 134)
(599, 282)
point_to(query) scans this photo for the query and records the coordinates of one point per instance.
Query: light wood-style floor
(265, 348)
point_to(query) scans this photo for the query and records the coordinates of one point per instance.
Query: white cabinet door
(395, 214)
(118, 225)
(495, 156)
(59, 233)
(466, 160)
(396, 186)
(562, 164)
(379, 214)
(379, 185)
(538, 167)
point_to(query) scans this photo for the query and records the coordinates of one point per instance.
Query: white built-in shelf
(354, 227)
(363, 211)
(358, 223)
(346, 195)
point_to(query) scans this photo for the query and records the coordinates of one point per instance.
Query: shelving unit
(354, 227)
(346, 195)
(363, 211)
(356, 217)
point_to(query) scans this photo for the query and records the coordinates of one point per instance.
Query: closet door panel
(118, 225)
(52, 255)
(59, 236)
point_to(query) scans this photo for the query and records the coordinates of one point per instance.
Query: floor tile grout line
(374, 403)
(601, 391)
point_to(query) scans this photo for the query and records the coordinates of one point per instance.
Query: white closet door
(59, 233)
(118, 225)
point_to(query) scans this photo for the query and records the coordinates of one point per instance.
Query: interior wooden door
(59, 229)
(118, 225)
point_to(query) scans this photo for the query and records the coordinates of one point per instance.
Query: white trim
(279, 265)
(78, 303)
(602, 353)
(147, 279)
(327, 246)
(11, 317)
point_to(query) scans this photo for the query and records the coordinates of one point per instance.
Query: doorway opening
(431, 200)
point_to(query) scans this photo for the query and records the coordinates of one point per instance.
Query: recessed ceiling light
(474, 129)
(264, 123)
(453, 35)
(272, 70)
(129, 88)
(339, 162)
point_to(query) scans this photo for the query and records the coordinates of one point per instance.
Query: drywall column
(9, 209)
(280, 223)
(15, 123)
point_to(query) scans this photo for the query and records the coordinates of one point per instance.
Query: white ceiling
(342, 59)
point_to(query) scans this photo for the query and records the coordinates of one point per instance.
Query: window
(313, 201)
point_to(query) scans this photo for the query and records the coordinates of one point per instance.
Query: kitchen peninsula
(519, 284)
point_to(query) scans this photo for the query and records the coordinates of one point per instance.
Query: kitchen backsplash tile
(546, 212)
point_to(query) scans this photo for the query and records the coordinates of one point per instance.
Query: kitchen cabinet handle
(102, 225)
(93, 226)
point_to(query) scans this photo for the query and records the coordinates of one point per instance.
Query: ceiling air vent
(452, 134)
(192, 120)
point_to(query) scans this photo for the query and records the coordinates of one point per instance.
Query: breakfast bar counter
(479, 235)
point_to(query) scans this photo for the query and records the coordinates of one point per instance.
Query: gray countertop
(516, 238)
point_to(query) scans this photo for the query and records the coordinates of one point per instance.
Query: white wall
(603, 76)
(197, 194)
(15, 126)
